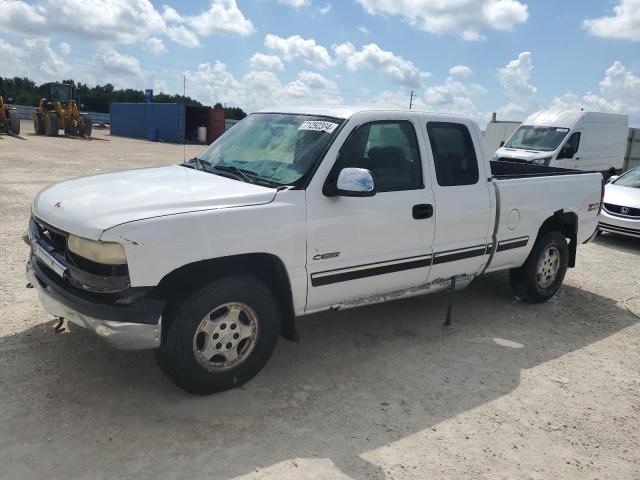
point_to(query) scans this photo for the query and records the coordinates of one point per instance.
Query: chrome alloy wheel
(548, 267)
(226, 336)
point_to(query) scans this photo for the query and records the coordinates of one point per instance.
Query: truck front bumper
(137, 327)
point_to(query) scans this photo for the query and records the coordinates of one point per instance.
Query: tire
(542, 274)
(38, 123)
(179, 356)
(87, 125)
(51, 124)
(14, 124)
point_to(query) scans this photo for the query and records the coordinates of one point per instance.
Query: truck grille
(55, 242)
(54, 239)
(622, 211)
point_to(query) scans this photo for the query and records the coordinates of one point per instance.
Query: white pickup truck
(291, 212)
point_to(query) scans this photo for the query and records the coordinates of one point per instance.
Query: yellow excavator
(58, 110)
(9, 121)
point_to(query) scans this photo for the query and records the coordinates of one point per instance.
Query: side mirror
(352, 182)
(501, 143)
(613, 178)
(567, 151)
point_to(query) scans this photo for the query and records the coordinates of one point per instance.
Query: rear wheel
(221, 336)
(542, 274)
(51, 124)
(14, 124)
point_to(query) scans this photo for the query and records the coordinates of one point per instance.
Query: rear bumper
(132, 327)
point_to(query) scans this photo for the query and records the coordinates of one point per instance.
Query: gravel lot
(509, 391)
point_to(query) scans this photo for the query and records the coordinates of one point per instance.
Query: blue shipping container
(135, 120)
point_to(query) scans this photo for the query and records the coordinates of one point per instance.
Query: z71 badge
(326, 256)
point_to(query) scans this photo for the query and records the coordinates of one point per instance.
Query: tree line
(25, 91)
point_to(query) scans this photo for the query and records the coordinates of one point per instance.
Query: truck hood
(623, 196)
(87, 206)
(522, 154)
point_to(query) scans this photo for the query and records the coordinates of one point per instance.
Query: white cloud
(460, 70)
(33, 58)
(623, 24)
(121, 21)
(325, 9)
(22, 17)
(260, 61)
(296, 47)
(223, 16)
(170, 14)
(456, 97)
(112, 22)
(467, 18)
(619, 92)
(363, 30)
(118, 63)
(295, 3)
(64, 47)
(183, 36)
(155, 46)
(515, 78)
(371, 56)
(214, 83)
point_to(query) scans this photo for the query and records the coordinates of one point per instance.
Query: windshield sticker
(318, 126)
(562, 129)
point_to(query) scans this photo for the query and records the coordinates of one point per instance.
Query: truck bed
(503, 169)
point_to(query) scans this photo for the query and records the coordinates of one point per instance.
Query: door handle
(421, 211)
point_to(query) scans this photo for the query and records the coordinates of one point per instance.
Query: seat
(390, 167)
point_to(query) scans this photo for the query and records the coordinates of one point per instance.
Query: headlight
(100, 252)
(542, 161)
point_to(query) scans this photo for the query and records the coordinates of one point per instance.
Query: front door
(361, 247)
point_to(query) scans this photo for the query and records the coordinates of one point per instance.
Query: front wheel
(14, 124)
(542, 274)
(87, 125)
(38, 123)
(51, 124)
(221, 336)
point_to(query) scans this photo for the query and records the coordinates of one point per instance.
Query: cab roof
(346, 111)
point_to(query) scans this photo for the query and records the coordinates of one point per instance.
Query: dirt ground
(511, 390)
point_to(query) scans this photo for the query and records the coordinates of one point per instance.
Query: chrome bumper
(121, 335)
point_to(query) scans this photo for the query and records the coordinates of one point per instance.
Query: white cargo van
(570, 139)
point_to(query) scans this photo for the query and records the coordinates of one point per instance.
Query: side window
(389, 149)
(453, 154)
(574, 141)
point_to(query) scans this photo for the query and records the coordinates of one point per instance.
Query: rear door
(361, 247)
(464, 205)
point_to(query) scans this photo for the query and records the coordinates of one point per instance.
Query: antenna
(411, 100)
(184, 138)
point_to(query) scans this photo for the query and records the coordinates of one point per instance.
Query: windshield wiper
(200, 163)
(244, 174)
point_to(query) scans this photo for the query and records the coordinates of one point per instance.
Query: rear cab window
(454, 154)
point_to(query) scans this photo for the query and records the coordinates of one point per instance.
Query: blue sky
(470, 57)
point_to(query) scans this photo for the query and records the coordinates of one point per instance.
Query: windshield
(59, 93)
(272, 148)
(629, 179)
(528, 137)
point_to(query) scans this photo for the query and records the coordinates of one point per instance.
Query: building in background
(498, 132)
(166, 122)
